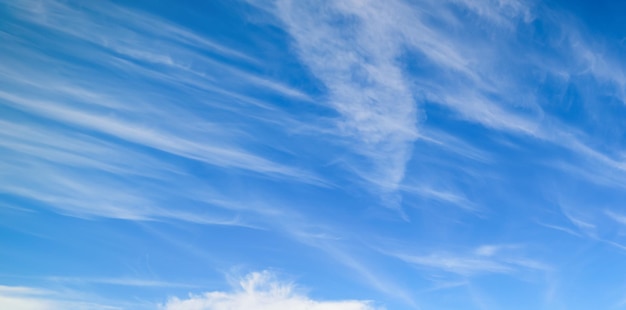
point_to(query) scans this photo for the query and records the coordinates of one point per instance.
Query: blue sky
(342, 155)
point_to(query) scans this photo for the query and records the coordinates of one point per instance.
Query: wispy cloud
(485, 259)
(454, 198)
(146, 100)
(582, 220)
(56, 15)
(453, 144)
(460, 265)
(175, 143)
(339, 243)
(366, 66)
(132, 35)
(617, 217)
(366, 85)
(592, 222)
(122, 281)
(127, 115)
(28, 298)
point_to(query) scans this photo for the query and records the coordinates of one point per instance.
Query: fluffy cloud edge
(261, 290)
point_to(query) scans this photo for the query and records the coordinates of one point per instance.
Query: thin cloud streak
(133, 35)
(219, 155)
(107, 120)
(146, 283)
(485, 259)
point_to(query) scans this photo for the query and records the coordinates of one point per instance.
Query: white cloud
(28, 298)
(484, 259)
(132, 34)
(357, 64)
(117, 142)
(143, 115)
(172, 142)
(357, 49)
(125, 281)
(261, 291)
(462, 265)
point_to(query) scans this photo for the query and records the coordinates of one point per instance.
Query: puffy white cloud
(261, 291)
